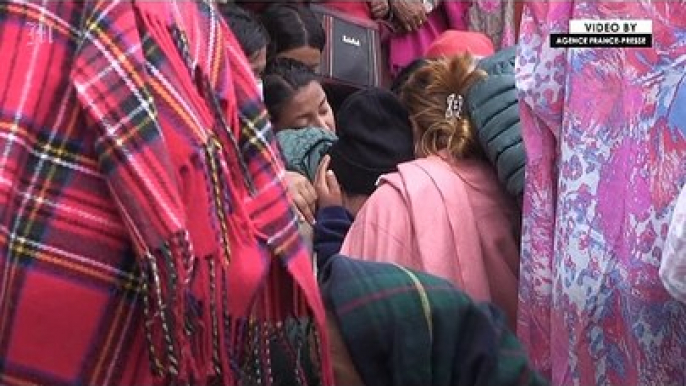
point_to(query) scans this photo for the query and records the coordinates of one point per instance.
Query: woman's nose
(321, 122)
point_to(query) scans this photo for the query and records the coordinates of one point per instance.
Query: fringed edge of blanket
(193, 339)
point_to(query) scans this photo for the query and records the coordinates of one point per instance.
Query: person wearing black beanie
(374, 136)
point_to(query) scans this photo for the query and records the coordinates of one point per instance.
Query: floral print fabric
(604, 132)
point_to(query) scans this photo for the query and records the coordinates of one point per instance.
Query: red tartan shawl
(142, 203)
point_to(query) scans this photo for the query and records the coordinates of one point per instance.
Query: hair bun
(434, 97)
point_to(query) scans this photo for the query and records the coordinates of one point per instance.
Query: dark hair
(292, 26)
(250, 33)
(405, 74)
(282, 78)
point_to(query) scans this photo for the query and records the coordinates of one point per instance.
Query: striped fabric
(145, 235)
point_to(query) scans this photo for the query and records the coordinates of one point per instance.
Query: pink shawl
(449, 220)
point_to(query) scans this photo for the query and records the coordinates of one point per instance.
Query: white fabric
(673, 265)
(260, 89)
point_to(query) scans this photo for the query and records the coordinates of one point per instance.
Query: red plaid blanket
(140, 186)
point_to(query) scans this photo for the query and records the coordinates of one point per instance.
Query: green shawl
(404, 328)
(304, 148)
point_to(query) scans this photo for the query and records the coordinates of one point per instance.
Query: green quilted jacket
(493, 107)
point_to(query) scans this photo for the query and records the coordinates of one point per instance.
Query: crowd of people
(184, 201)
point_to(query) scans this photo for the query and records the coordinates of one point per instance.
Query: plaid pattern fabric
(406, 328)
(145, 235)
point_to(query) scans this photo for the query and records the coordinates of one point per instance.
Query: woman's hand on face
(326, 186)
(379, 8)
(303, 195)
(410, 14)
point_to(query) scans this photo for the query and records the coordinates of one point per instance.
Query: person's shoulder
(416, 178)
(500, 63)
(388, 196)
(429, 166)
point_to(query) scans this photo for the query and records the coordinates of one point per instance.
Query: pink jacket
(450, 219)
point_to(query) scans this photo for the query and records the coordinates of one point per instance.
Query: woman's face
(309, 56)
(308, 107)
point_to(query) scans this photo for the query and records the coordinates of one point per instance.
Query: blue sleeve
(332, 224)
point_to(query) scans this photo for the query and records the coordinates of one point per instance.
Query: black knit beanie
(374, 136)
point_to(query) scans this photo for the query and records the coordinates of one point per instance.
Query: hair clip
(454, 110)
(429, 5)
